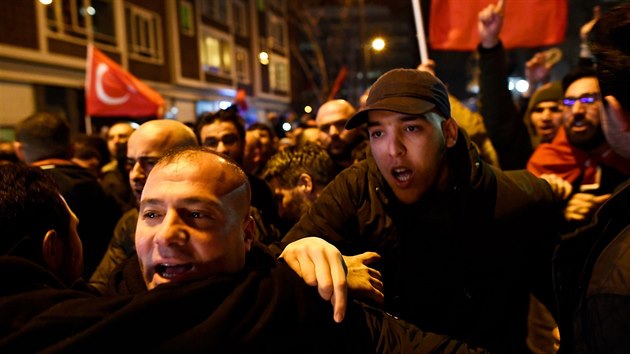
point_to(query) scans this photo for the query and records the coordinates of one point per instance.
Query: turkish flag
(527, 23)
(110, 90)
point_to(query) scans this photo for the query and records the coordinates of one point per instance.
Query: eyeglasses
(227, 139)
(586, 99)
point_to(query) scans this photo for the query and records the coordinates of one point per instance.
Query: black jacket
(592, 281)
(265, 308)
(460, 262)
(97, 212)
(503, 121)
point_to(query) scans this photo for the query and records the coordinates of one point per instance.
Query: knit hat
(407, 91)
(549, 92)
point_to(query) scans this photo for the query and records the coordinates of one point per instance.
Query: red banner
(110, 90)
(527, 23)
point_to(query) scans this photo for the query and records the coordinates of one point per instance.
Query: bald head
(222, 175)
(118, 134)
(170, 134)
(194, 218)
(333, 111)
(149, 143)
(331, 120)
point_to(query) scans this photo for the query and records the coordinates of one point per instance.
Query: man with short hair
(224, 132)
(260, 145)
(297, 176)
(591, 264)
(43, 140)
(456, 248)
(117, 136)
(145, 147)
(331, 120)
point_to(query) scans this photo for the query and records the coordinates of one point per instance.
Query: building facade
(196, 53)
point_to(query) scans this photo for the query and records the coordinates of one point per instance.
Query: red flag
(337, 86)
(527, 23)
(110, 90)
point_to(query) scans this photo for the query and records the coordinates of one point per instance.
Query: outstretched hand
(320, 264)
(365, 282)
(490, 21)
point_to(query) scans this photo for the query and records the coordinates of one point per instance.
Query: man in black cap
(441, 239)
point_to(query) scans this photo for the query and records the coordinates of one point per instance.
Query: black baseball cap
(407, 91)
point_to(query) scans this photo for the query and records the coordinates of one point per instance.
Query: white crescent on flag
(112, 91)
(101, 69)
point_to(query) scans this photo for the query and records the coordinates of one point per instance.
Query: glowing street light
(263, 57)
(378, 44)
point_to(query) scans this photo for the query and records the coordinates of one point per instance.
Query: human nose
(546, 114)
(332, 131)
(221, 147)
(172, 231)
(137, 172)
(395, 146)
(577, 107)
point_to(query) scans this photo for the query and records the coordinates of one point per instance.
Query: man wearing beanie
(437, 236)
(544, 113)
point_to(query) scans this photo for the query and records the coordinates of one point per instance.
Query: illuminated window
(279, 74)
(216, 53)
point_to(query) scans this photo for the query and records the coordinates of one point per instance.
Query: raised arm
(504, 124)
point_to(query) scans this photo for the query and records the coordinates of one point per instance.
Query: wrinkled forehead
(210, 172)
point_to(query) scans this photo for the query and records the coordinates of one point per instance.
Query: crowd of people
(406, 224)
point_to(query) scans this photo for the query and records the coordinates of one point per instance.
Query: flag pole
(88, 62)
(422, 40)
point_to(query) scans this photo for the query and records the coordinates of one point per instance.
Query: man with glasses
(145, 147)
(579, 153)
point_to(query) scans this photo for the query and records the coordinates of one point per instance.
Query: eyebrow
(185, 201)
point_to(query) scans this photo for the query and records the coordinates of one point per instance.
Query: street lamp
(378, 44)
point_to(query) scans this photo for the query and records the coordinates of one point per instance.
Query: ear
(52, 249)
(450, 130)
(19, 150)
(617, 113)
(306, 182)
(248, 232)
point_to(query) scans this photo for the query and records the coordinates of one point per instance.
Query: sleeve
(390, 334)
(505, 127)
(120, 248)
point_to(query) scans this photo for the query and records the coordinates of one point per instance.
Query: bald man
(331, 120)
(145, 147)
(211, 287)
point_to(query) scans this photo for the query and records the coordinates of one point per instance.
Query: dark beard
(588, 144)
